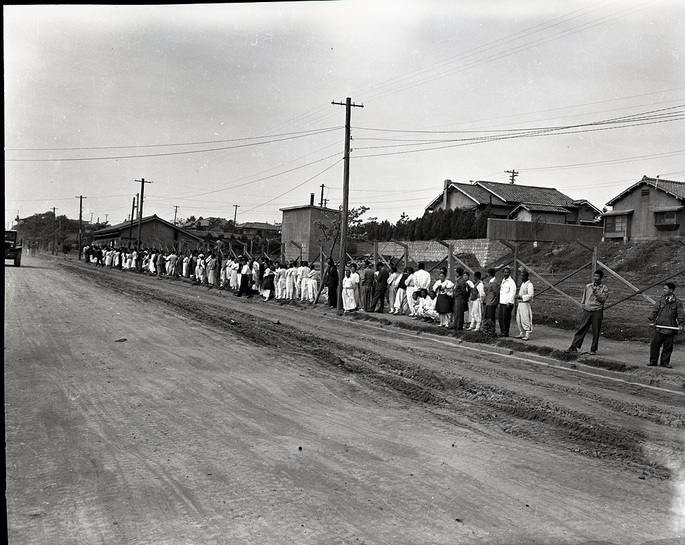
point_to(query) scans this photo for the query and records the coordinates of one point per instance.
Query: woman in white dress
(348, 289)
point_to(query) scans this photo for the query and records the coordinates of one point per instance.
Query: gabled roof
(112, 229)
(478, 195)
(585, 202)
(676, 189)
(536, 207)
(257, 225)
(516, 194)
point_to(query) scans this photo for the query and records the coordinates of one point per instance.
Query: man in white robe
(524, 313)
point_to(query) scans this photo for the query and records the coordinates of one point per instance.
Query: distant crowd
(463, 304)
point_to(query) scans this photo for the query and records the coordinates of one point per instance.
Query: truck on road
(13, 247)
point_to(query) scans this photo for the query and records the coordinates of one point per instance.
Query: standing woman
(313, 279)
(348, 299)
(393, 282)
(290, 275)
(445, 301)
(354, 275)
(268, 284)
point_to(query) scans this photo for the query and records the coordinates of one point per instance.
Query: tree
(330, 231)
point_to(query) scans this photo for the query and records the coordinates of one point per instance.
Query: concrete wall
(486, 251)
(299, 225)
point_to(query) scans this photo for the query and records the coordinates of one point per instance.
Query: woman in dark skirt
(444, 304)
(268, 286)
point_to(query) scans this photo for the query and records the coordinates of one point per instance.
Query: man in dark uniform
(668, 319)
(381, 288)
(332, 283)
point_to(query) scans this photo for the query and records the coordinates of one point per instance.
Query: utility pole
(235, 213)
(346, 197)
(513, 173)
(130, 231)
(80, 225)
(106, 216)
(54, 231)
(142, 181)
(175, 211)
(321, 202)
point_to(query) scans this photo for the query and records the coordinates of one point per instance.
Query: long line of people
(460, 304)
(244, 275)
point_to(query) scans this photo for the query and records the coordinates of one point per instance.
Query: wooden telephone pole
(346, 197)
(80, 225)
(142, 182)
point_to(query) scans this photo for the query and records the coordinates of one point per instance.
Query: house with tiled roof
(649, 209)
(155, 232)
(511, 201)
(262, 229)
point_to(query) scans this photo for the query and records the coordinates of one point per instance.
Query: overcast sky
(225, 105)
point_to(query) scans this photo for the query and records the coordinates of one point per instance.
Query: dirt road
(141, 411)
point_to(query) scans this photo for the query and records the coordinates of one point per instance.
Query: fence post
(516, 263)
(450, 261)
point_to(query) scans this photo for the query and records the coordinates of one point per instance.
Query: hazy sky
(223, 105)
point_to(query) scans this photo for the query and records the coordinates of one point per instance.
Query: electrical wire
(294, 188)
(223, 148)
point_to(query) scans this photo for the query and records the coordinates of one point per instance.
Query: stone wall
(486, 251)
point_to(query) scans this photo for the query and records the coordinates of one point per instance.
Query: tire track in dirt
(524, 416)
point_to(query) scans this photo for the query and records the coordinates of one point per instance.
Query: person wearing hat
(668, 320)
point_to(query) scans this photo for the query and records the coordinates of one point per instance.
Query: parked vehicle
(13, 247)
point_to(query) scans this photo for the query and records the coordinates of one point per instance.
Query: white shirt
(422, 279)
(526, 291)
(507, 291)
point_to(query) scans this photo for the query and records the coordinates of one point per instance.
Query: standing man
(668, 319)
(367, 279)
(507, 298)
(594, 297)
(491, 297)
(524, 314)
(381, 288)
(460, 299)
(422, 278)
(477, 296)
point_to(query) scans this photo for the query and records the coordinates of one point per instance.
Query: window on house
(615, 224)
(664, 218)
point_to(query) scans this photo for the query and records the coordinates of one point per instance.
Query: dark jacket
(367, 277)
(668, 311)
(461, 289)
(332, 277)
(382, 280)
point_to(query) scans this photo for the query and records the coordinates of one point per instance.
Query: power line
(552, 131)
(113, 157)
(135, 146)
(510, 51)
(294, 188)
